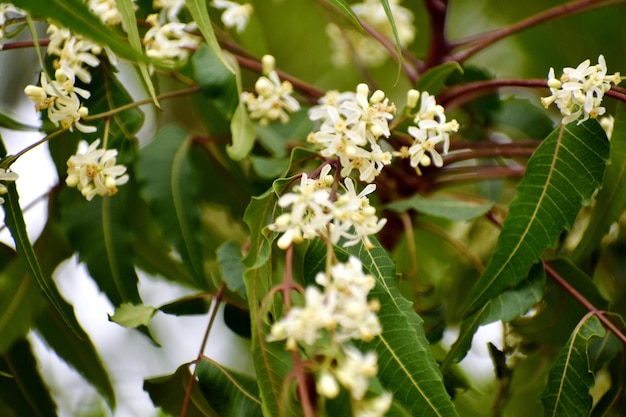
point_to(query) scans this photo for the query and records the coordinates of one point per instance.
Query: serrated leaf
(75, 15)
(168, 392)
(569, 380)
(132, 316)
(127, 11)
(434, 79)
(200, 15)
(77, 352)
(506, 306)
(232, 268)
(611, 199)
(450, 208)
(405, 361)
(560, 177)
(170, 192)
(231, 394)
(21, 386)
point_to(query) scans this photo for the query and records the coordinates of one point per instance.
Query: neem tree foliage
(353, 180)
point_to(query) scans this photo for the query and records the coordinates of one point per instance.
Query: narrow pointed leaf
(132, 316)
(396, 37)
(405, 361)
(231, 394)
(569, 381)
(611, 199)
(10, 123)
(446, 207)
(560, 178)
(345, 8)
(243, 134)
(21, 386)
(171, 193)
(434, 79)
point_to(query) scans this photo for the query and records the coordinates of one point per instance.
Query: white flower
(169, 9)
(273, 100)
(6, 176)
(95, 172)
(355, 370)
(170, 43)
(106, 10)
(375, 407)
(235, 15)
(578, 93)
(74, 52)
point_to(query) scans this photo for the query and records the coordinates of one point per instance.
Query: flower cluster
(347, 43)
(317, 210)
(6, 176)
(351, 126)
(95, 172)
(106, 10)
(330, 319)
(169, 43)
(578, 93)
(169, 9)
(273, 100)
(235, 15)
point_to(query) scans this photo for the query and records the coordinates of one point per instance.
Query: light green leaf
(243, 134)
(132, 316)
(170, 191)
(506, 307)
(231, 394)
(434, 79)
(406, 365)
(446, 207)
(21, 386)
(560, 177)
(611, 199)
(77, 351)
(127, 10)
(75, 15)
(229, 258)
(345, 8)
(200, 15)
(269, 167)
(569, 380)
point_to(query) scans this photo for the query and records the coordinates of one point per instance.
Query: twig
(439, 45)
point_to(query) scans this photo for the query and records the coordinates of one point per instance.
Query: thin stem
(120, 109)
(584, 302)
(24, 44)
(218, 300)
(439, 45)
(458, 95)
(10, 159)
(479, 43)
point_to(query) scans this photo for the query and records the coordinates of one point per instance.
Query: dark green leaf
(216, 81)
(231, 394)
(560, 177)
(12, 124)
(569, 381)
(243, 134)
(434, 79)
(517, 116)
(269, 167)
(229, 258)
(276, 137)
(446, 207)
(191, 305)
(21, 388)
(170, 192)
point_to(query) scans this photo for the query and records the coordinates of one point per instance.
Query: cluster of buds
(336, 312)
(273, 100)
(318, 210)
(169, 43)
(351, 126)
(578, 93)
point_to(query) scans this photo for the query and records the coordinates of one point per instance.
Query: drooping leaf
(446, 207)
(9, 122)
(569, 380)
(229, 258)
(434, 79)
(168, 392)
(22, 389)
(560, 177)
(75, 15)
(405, 360)
(611, 199)
(77, 351)
(505, 307)
(231, 394)
(132, 316)
(170, 192)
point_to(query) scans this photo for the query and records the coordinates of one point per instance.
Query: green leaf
(232, 268)
(519, 117)
(170, 191)
(127, 10)
(216, 81)
(75, 15)
(506, 307)
(405, 361)
(168, 392)
(231, 394)
(269, 167)
(434, 79)
(132, 316)
(9, 122)
(14, 220)
(569, 381)
(345, 8)
(560, 177)
(21, 386)
(200, 15)
(190, 305)
(396, 37)
(276, 136)
(446, 207)
(78, 351)
(611, 199)
(243, 134)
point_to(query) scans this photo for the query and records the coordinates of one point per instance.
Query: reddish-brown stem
(455, 96)
(485, 153)
(24, 44)
(192, 380)
(481, 42)
(584, 302)
(439, 46)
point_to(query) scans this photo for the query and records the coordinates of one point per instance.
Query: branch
(439, 45)
(458, 95)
